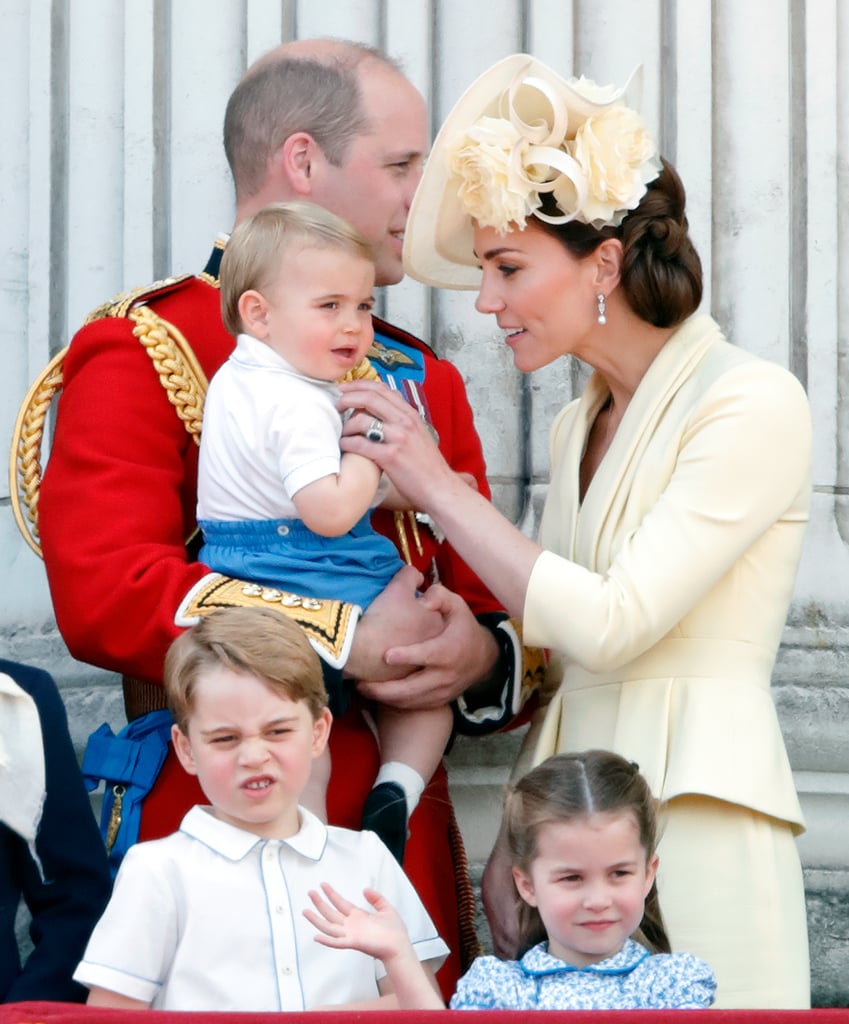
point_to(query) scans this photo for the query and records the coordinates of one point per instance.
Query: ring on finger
(375, 431)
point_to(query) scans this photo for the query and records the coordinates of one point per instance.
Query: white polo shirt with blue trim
(211, 918)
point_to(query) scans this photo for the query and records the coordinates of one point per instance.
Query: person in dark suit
(51, 853)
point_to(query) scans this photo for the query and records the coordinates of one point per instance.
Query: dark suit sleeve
(66, 902)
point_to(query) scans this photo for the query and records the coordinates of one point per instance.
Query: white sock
(407, 778)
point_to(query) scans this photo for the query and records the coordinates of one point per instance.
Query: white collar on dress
(538, 961)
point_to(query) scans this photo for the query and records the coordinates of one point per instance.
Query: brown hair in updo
(661, 274)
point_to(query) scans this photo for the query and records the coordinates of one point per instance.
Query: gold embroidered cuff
(532, 662)
(329, 624)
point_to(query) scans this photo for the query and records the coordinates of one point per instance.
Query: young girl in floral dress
(581, 830)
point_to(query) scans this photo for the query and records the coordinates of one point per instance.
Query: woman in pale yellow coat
(679, 494)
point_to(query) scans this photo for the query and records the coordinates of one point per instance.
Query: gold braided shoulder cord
(25, 454)
(185, 384)
(179, 371)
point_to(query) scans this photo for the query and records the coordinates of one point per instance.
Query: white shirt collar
(235, 843)
(251, 351)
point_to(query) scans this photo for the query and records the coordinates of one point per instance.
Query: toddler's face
(318, 311)
(251, 750)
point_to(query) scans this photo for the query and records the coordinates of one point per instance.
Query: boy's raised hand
(379, 933)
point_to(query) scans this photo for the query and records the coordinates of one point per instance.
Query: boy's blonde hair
(252, 255)
(257, 641)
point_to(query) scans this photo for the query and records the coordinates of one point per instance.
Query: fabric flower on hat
(619, 159)
(486, 161)
(581, 144)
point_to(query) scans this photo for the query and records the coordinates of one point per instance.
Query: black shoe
(385, 812)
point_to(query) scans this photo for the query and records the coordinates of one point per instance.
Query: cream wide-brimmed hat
(519, 131)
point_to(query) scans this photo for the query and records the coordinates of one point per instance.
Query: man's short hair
(282, 95)
(255, 641)
(252, 256)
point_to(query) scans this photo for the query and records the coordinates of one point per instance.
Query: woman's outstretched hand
(402, 445)
(407, 452)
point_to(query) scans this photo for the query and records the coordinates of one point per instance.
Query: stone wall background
(112, 175)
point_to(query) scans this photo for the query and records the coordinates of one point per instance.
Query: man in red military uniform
(338, 125)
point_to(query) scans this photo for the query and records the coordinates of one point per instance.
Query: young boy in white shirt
(212, 917)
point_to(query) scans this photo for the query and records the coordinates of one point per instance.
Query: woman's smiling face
(540, 294)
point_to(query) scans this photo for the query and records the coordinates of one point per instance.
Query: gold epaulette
(120, 305)
(328, 623)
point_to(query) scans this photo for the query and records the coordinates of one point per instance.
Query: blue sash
(129, 764)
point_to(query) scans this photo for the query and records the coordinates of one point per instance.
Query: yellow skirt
(731, 892)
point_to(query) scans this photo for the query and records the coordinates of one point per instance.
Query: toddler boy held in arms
(212, 917)
(278, 502)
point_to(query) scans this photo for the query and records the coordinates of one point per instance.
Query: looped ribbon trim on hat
(569, 169)
(544, 151)
(538, 133)
(591, 150)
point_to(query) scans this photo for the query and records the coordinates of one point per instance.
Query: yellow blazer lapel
(573, 424)
(604, 508)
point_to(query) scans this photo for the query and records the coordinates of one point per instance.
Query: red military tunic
(118, 503)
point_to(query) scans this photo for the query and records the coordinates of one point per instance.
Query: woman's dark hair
(661, 276)
(570, 787)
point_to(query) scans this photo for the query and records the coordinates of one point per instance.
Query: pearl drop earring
(602, 308)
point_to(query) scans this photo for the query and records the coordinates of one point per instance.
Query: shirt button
(283, 530)
(286, 971)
